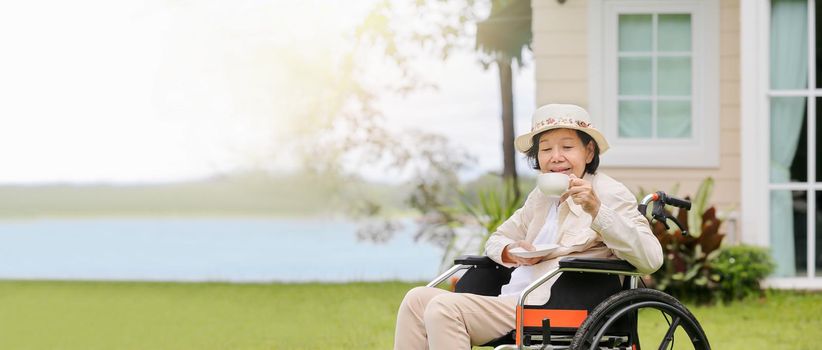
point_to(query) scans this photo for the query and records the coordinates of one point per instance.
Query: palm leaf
(506, 31)
(699, 203)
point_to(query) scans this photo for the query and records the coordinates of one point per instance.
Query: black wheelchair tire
(631, 300)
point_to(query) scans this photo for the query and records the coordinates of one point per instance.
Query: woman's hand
(507, 257)
(582, 193)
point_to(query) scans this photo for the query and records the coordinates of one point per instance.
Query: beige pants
(432, 318)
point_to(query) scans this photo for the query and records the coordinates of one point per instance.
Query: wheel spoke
(670, 334)
(621, 305)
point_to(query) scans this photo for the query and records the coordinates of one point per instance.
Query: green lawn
(781, 320)
(97, 315)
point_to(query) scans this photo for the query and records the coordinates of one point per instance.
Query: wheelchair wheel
(592, 333)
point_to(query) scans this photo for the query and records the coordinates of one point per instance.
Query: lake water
(225, 249)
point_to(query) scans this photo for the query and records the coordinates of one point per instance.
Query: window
(795, 176)
(654, 76)
(781, 91)
(654, 81)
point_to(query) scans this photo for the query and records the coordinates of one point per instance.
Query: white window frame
(699, 151)
(755, 94)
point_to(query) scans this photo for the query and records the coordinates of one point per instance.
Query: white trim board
(803, 283)
(754, 43)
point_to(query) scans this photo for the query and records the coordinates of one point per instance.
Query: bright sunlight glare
(168, 90)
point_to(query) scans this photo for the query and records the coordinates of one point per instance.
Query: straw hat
(555, 116)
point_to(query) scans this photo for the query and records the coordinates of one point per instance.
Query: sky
(97, 91)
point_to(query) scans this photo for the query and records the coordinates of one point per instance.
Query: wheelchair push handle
(660, 200)
(681, 203)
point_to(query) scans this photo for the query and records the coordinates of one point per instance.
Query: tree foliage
(348, 129)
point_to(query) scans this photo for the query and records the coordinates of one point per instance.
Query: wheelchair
(594, 303)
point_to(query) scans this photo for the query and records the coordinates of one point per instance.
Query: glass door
(795, 179)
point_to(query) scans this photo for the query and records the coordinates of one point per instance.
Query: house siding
(560, 46)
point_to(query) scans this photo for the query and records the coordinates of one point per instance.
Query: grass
(780, 320)
(121, 315)
(96, 315)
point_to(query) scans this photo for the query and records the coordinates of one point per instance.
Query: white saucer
(541, 250)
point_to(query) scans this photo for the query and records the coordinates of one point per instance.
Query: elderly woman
(595, 217)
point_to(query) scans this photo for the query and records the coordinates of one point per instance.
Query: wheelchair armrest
(597, 264)
(476, 260)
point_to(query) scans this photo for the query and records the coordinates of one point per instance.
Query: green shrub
(697, 267)
(686, 269)
(462, 224)
(491, 208)
(740, 268)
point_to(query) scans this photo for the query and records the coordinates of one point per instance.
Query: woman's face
(561, 150)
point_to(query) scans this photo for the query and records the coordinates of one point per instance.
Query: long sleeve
(625, 231)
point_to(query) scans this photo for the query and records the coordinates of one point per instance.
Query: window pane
(635, 76)
(635, 33)
(799, 165)
(789, 232)
(787, 118)
(674, 76)
(673, 119)
(674, 32)
(818, 141)
(635, 119)
(818, 45)
(818, 244)
(789, 44)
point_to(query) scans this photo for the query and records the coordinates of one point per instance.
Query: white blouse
(522, 276)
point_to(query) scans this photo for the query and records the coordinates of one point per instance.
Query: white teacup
(553, 184)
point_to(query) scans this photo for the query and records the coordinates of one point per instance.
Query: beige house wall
(560, 47)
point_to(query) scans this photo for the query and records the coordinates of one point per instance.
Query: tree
(503, 36)
(396, 34)
(444, 26)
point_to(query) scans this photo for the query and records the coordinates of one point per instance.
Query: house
(686, 89)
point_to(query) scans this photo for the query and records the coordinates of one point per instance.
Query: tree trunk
(509, 168)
